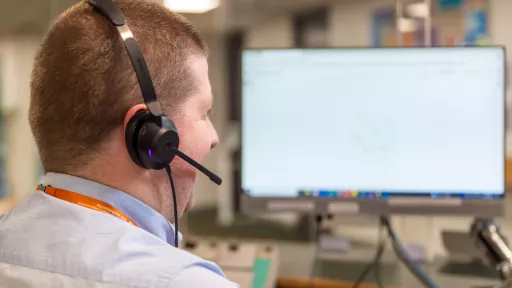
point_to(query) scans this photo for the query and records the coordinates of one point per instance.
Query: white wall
(500, 22)
(500, 13)
(274, 33)
(16, 58)
(350, 25)
(207, 193)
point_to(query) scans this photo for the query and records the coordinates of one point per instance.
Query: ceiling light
(191, 6)
(418, 10)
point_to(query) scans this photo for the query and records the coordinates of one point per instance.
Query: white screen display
(408, 121)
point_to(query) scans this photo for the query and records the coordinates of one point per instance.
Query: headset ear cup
(155, 143)
(132, 134)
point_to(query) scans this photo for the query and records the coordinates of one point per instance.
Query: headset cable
(175, 205)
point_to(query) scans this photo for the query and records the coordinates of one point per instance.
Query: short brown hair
(83, 83)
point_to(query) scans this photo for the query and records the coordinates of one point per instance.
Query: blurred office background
(228, 26)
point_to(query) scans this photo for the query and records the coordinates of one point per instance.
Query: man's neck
(131, 180)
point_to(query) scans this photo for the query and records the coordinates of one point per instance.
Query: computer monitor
(374, 130)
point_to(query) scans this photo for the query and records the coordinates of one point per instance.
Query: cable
(175, 205)
(318, 229)
(376, 269)
(376, 259)
(402, 255)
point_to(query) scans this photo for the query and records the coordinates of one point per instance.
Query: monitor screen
(373, 123)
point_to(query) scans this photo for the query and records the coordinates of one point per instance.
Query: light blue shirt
(48, 242)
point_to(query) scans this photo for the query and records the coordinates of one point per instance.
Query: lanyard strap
(85, 201)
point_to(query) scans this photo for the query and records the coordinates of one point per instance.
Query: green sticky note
(261, 270)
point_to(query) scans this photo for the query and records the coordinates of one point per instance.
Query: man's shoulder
(178, 268)
(133, 265)
(195, 276)
(92, 245)
(194, 271)
(168, 261)
(199, 276)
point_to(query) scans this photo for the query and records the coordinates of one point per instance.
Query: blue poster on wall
(449, 4)
(469, 16)
(476, 27)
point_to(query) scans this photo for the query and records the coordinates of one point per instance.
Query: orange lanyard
(85, 201)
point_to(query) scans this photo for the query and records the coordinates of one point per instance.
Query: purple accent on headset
(150, 153)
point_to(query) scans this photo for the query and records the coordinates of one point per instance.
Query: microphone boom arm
(215, 179)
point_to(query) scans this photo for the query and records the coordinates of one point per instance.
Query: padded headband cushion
(132, 130)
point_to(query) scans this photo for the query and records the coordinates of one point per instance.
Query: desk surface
(284, 282)
(296, 268)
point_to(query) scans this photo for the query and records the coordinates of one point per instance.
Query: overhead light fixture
(191, 6)
(418, 10)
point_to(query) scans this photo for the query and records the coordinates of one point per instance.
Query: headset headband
(113, 13)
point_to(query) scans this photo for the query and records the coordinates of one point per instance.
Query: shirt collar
(145, 217)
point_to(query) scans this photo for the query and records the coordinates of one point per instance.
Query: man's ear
(132, 112)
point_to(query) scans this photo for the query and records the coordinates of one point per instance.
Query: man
(83, 93)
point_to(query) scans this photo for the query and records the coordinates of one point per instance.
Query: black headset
(152, 139)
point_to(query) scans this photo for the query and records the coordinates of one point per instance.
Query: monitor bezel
(456, 206)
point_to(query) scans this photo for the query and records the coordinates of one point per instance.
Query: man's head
(84, 91)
